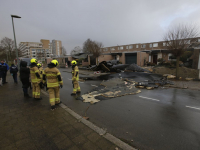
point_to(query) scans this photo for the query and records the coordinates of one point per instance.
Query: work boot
(78, 92)
(53, 107)
(73, 94)
(59, 103)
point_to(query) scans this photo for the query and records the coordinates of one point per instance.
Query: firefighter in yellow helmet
(36, 80)
(54, 82)
(40, 69)
(75, 78)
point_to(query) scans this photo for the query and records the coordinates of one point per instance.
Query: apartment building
(140, 53)
(41, 50)
(56, 48)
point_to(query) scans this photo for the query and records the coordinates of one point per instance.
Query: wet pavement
(27, 124)
(163, 118)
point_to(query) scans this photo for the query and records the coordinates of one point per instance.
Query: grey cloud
(110, 22)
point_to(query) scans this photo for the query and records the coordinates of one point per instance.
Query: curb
(97, 129)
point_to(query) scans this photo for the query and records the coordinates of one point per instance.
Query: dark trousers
(4, 77)
(15, 77)
(25, 90)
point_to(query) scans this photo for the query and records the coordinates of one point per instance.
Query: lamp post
(15, 16)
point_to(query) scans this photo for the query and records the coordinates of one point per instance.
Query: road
(153, 119)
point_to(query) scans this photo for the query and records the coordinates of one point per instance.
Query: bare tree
(64, 52)
(93, 47)
(178, 39)
(76, 50)
(7, 45)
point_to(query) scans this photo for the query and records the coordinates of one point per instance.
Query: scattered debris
(153, 84)
(115, 87)
(169, 76)
(86, 118)
(189, 79)
(136, 68)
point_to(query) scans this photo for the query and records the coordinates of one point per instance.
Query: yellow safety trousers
(76, 87)
(36, 90)
(54, 95)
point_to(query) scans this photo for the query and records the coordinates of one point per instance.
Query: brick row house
(140, 53)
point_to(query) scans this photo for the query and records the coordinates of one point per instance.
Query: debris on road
(153, 84)
(109, 66)
(169, 76)
(136, 68)
(115, 87)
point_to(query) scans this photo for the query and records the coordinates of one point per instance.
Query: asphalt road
(160, 119)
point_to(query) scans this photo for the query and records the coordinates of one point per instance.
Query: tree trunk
(177, 66)
(97, 61)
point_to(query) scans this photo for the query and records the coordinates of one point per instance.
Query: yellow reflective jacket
(75, 74)
(34, 78)
(41, 71)
(52, 77)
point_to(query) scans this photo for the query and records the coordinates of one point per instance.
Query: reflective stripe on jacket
(52, 77)
(75, 74)
(34, 78)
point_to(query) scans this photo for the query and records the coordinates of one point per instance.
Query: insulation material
(115, 87)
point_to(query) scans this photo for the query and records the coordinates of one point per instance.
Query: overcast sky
(112, 22)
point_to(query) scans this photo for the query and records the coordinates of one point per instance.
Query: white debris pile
(115, 87)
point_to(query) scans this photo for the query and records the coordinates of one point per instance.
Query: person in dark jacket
(13, 72)
(1, 73)
(5, 69)
(24, 77)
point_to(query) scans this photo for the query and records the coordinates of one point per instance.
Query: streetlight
(15, 16)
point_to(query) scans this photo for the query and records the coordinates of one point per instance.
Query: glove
(61, 86)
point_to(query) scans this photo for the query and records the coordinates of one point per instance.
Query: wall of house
(122, 58)
(141, 56)
(195, 58)
(105, 58)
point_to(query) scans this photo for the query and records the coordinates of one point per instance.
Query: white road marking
(94, 85)
(193, 107)
(149, 98)
(80, 82)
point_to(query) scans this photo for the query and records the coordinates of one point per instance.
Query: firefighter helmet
(33, 60)
(39, 65)
(73, 62)
(55, 62)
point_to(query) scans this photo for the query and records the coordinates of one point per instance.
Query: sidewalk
(27, 124)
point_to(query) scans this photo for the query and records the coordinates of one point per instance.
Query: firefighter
(75, 78)
(35, 79)
(54, 83)
(40, 69)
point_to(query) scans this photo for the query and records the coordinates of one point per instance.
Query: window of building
(126, 47)
(137, 46)
(150, 45)
(187, 41)
(121, 47)
(155, 44)
(143, 46)
(171, 57)
(106, 49)
(198, 40)
(130, 46)
(118, 48)
(33, 50)
(112, 48)
(164, 44)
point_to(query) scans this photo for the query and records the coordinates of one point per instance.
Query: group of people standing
(49, 78)
(3, 72)
(35, 77)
